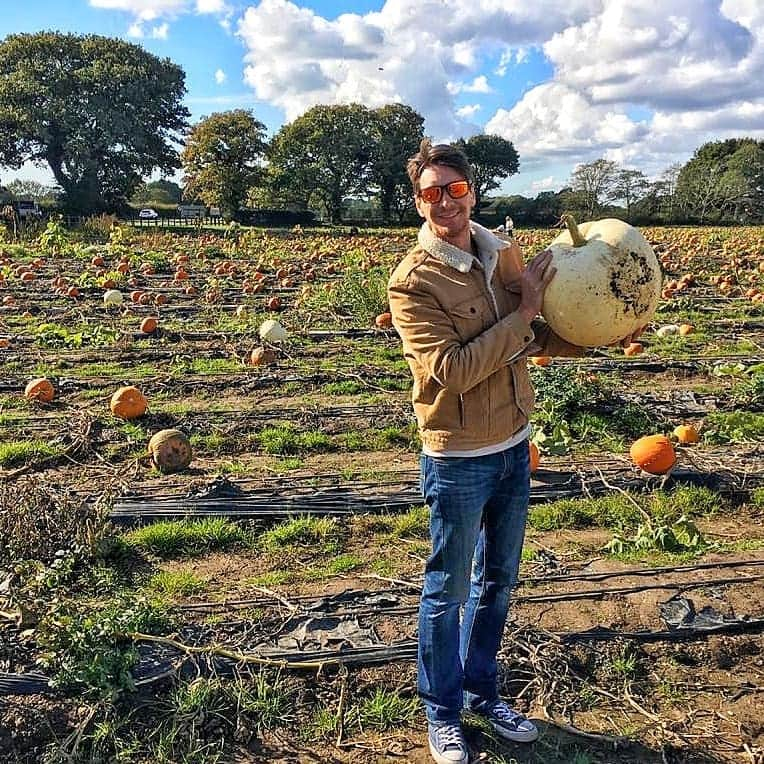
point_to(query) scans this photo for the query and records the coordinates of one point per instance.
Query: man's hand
(533, 283)
(629, 338)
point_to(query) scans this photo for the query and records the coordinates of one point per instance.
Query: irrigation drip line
(261, 504)
(325, 607)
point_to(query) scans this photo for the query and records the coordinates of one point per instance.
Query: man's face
(448, 218)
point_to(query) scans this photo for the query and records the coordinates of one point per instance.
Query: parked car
(27, 208)
(148, 214)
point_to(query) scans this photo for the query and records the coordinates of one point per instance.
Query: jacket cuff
(522, 332)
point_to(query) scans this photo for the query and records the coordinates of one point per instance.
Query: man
(465, 308)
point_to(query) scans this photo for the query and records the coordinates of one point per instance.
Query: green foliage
(321, 532)
(128, 111)
(287, 439)
(54, 239)
(176, 583)
(386, 709)
(15, 452)
(221, 159)
(733, 427)
(492, 158)
(678, 537)
(88, 648)
(186, 537)
(757, 497)
(358, 296)
(52, 335)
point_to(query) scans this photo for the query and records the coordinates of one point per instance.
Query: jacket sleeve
(546, 342)
(430, 338)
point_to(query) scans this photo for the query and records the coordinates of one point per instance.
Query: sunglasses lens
(458, 189)
(431, 194)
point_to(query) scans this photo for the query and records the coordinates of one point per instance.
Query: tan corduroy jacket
(465, 342)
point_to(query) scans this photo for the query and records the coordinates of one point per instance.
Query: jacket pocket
(468, 317)
(521, 381)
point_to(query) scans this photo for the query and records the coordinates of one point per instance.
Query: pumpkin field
(258, 603)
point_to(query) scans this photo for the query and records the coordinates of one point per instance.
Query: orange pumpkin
(653, 454)
(274, 303)
(685, 329)
(540, 360)
(535, 455)
(384, 320)
(686, 433)
(40, 389)
(128, 403)
(149, 325)
(170, 451)
(634, 348)
(261, 356)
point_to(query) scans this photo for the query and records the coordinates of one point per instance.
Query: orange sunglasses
(456, 190)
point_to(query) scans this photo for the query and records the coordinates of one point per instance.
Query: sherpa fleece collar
(487, 244)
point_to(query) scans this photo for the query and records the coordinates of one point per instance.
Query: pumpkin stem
(575, 234)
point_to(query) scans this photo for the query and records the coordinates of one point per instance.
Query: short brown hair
(440, 154)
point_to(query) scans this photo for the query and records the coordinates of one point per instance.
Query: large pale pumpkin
(128, 403)
(607, 284)
(170, 451)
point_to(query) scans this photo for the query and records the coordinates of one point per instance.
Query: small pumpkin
(667, 330)
(540, 360)
(633, 348)
(535, 455)
(112, 297)
(653, 454)
(261, 356)
(40, 389)
(149, 325)
(170, 451)
(272, 331)
(128, 403)
(685, 329)
(384, 320)
(686, 433)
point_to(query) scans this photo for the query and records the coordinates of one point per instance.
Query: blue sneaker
(510, 724)
(447, 743)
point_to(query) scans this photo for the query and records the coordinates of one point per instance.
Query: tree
(629, 186)
(723, 177)
(222, 159)
(594, 182)
(103, 113)
(322, 156)
(492, 158)
(158, 192)
(397, 131)
(31, 189)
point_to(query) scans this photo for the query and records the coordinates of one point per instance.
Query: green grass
(176, 583)
(287, 439)
(412, 524)
(186, 537)
(322, 533)
(344, 563)
(16, 452)
(733, 427)
(386, 709)
(616, 511)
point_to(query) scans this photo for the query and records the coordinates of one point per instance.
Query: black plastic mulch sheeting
(159, 662)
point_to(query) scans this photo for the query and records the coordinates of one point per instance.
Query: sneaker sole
(443, 760)
(516, 737)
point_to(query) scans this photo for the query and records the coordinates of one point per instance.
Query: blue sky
(566, 82)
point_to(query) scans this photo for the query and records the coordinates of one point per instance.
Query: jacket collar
(487, 244)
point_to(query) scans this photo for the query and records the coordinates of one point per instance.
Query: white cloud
(549, 183)
(478, 85)
(468, 111)
(160, 31)
(135, 30)
(220, 76)
(144, 10)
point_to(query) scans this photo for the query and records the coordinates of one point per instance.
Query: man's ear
(418, 203)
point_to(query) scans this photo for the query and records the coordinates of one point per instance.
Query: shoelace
(505, 714)
(449, 736)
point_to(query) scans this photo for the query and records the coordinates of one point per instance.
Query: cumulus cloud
(154, 10)
(468, 111)
(160, 32)
(421, 53)
(220, 76)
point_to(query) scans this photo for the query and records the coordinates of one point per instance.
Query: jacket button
(472, 310)
(526, 339)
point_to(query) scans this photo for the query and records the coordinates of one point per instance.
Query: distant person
(509, 226)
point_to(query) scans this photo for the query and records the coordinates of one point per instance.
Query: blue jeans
(478, 507)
